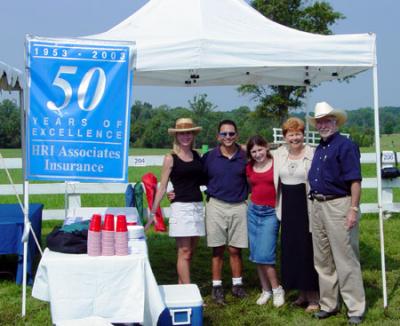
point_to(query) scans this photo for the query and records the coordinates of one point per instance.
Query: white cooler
(184, 305)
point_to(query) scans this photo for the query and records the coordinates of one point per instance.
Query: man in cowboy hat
(335, 182)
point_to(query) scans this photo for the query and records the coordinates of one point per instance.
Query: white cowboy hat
(184, 124)
(323, 109)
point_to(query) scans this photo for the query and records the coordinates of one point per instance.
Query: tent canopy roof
(227, 42)
(10, 78)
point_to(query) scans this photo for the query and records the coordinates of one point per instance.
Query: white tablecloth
(119, 288)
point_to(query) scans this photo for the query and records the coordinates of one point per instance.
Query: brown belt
(320, 197)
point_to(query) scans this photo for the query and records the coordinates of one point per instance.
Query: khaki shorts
(226, 224)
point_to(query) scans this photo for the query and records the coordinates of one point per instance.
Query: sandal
(312, 307)
(300, 303)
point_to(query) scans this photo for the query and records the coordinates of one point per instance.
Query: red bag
(150, 185)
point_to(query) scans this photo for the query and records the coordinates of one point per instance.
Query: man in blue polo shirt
(335, 183)
(226, 209)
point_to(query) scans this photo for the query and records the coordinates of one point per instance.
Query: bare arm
(165, 173)
(249, 184)
(352, 214)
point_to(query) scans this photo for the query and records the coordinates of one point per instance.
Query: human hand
(149, 222)
(147, 226)
(351, 219)
(171, 195)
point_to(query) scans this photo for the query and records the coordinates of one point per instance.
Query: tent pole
(379, 179)
(26, 231)
(307, 112)
(26, 205)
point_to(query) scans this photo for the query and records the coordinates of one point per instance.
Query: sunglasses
(225, 134)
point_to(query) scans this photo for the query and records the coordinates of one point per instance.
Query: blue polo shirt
(335, 165)
(226, 178)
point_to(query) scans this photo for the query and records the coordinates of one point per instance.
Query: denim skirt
(263, 227)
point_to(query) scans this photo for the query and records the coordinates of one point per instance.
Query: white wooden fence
(313, 136)
(73, 190)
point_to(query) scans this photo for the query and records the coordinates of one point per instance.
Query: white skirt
(187, 219)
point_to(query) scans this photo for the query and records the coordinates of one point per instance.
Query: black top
(186, 177)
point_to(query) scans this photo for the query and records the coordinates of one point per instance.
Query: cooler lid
(181, 295)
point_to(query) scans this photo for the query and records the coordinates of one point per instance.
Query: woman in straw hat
(183, 167)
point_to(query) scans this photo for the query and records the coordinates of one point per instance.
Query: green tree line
(149, 124)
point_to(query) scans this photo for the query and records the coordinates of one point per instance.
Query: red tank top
(262, 186)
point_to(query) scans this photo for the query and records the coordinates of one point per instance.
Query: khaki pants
(336, 257)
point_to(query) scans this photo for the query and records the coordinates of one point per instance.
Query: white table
(120, 289)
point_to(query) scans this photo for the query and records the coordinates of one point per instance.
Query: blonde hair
(176, 147)
(293, 124)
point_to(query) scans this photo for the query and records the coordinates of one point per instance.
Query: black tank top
(186, 178)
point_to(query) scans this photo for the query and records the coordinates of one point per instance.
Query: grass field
(388, 143)
(134, 175)
(243, 312)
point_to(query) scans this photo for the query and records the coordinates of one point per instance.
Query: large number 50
(82, 89)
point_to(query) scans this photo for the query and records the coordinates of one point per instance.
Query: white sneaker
(264, 297)
(278, 296)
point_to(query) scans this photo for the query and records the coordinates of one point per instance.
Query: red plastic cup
(108, 222)
(95, 223)
(121, 224)
(131, 223)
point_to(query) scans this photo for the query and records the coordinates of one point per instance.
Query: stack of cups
(94, 236)
(121, 236)
(135, 238)
(107, 236)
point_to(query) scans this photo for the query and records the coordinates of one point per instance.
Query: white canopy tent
(227, 42)
(10, 78)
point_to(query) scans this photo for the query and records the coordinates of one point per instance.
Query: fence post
(72, 197)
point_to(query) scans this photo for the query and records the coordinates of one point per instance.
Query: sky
(71, 18)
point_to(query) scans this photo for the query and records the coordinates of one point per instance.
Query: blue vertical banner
(78, 109)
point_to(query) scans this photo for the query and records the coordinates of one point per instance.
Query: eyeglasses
(325, 121)
(229, 133)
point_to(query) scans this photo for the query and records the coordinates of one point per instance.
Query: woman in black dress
(292, 162)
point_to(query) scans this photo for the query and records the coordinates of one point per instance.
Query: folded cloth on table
(129, 196)
(78, 226)
(74, 241)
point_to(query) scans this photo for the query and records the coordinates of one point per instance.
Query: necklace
(292, 167)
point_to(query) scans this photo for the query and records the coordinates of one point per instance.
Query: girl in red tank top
(263, 225)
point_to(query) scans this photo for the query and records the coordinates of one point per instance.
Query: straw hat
(323, 109)
(184, 124)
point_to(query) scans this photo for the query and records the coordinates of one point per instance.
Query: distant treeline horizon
(149, 124)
